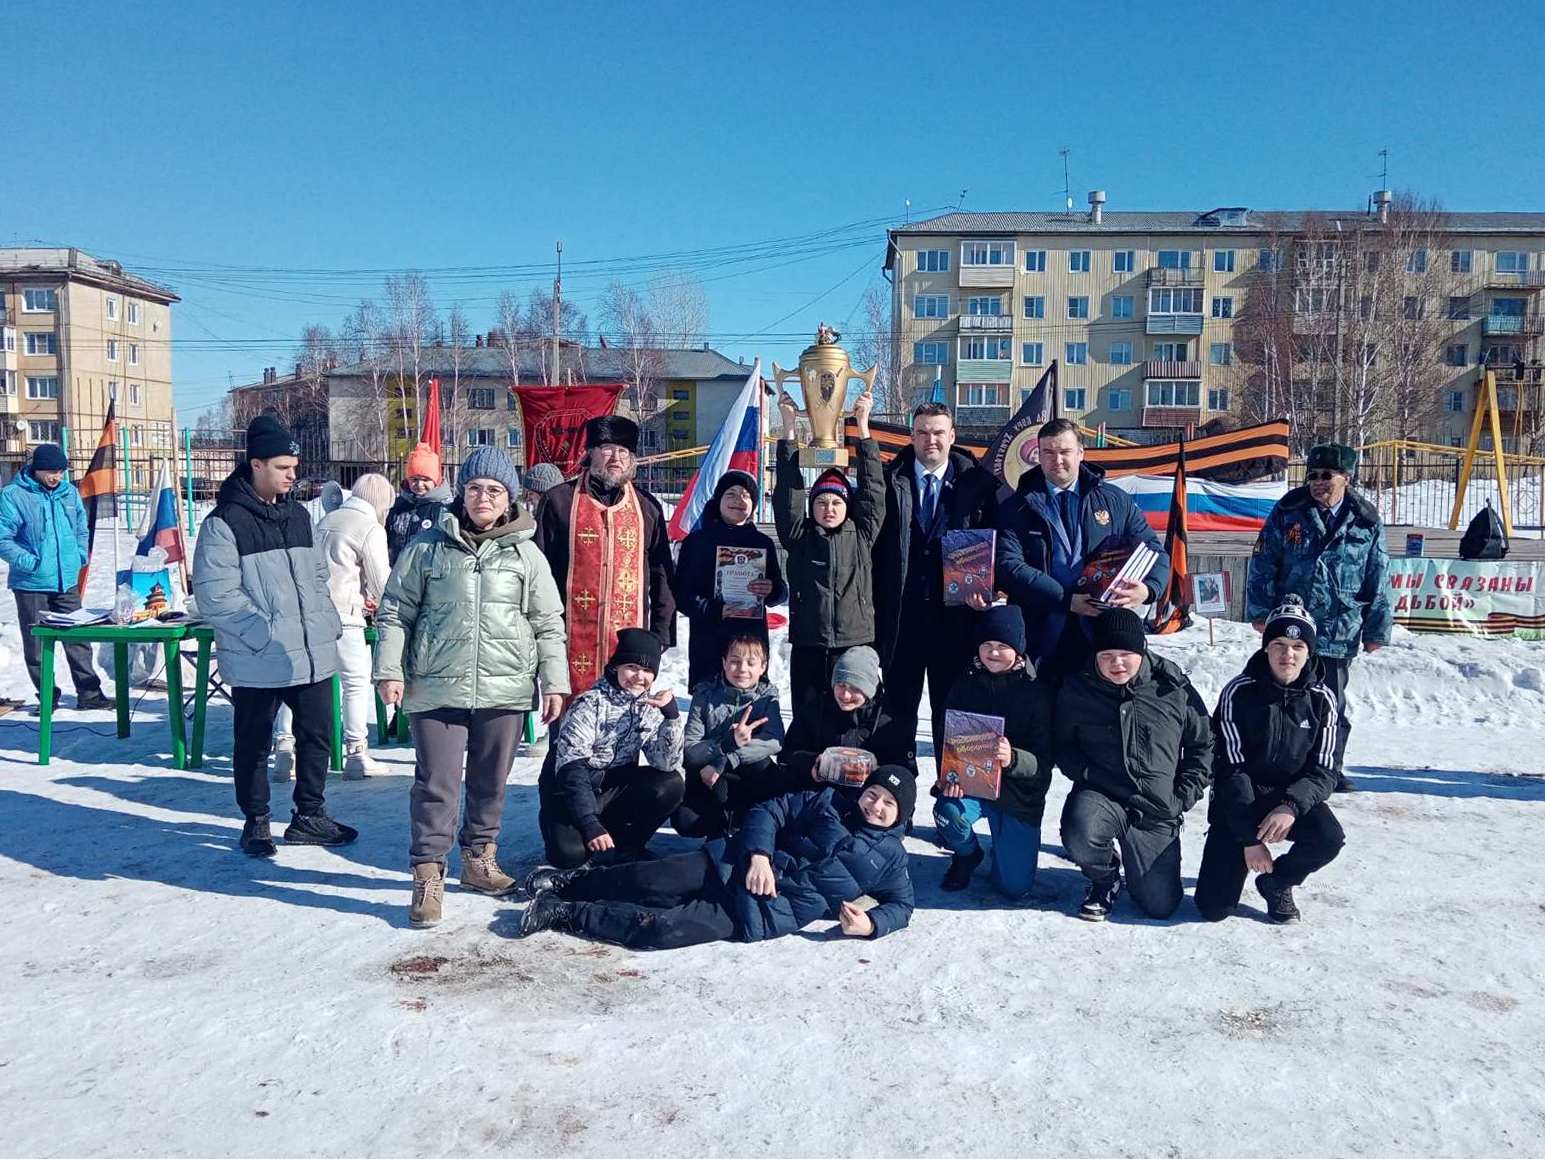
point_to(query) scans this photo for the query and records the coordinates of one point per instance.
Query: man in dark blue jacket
(1060, 512)
(44, 540)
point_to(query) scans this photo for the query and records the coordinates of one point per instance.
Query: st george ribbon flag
(98, 488)
(737, 447)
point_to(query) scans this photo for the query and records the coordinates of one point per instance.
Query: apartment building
(1142, 310)
(75, 332)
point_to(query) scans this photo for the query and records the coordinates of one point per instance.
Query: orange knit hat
(422, 460)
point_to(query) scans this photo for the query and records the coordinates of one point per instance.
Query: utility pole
(552, 378)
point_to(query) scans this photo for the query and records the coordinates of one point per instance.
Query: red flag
(555, 416)
(431, 423)
(1172, 610)
(98, 487)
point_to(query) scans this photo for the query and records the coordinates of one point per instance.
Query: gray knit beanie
(543, 477)
(860, 668)
(489, 463)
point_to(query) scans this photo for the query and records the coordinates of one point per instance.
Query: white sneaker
(357, 764)
(282, 770)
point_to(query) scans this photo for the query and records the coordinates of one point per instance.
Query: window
(133, 312)
(987, 253)
(1165, 392)
(1119, 398)
(1223, 261)
(1077, 353)
(1454, 401)
(1035, 306)
(931, 353)
(1512, 262)
(42, 342)
(1078, 307)
(1507, 307)
(112, 308)
(1501, 354)
(8, 340)
(1120, 354)
(980, 346)
(42, 431)
(480, 398)
(1174, 259)
(136, 435)
(512, 438)
(1164, 300)
(982, 394)
(1456, 354)
(1035, 261)
(1455, 441)
(1223, 307)
(1078, 261)
(1124, 261)
(1121, 305)
(1032, 353)
(1075, 398)
(133, 353)
(990, 307)
(134, 394)
(112, 350)
(1459, 307)
(1412, 308)
(480, 437)
(1220, 354)
(39, 301)
(1416, 262)
(1371, 261)
(681, 395)
(931, 306)
(8, 383)
(933, 261)
(1365, 306)
(1459, 262)
(1268, 261)
(1217, 398)
(42, 387)
(1171, 351)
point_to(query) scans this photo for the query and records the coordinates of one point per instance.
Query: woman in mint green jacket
(471, 639)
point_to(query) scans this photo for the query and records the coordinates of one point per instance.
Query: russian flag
(1211, 506)
(737, 447)
(161, 527)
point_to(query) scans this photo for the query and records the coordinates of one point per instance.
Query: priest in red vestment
(605, 538)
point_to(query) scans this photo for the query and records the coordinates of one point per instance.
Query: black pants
(810, 673)
(934, 643)
(1336, 672)
(30, 607)
(653, 905)
(704, 813)
(312, 706)
(1317, 839)
(633, 803)
(1094, 824)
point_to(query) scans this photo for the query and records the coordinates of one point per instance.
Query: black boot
(545, 877)
(91, 701)
(256, 840)
(1344, 784)
(317, 829)
(962, 866)
(547, 911)
(1279, 900)
(1099, 901)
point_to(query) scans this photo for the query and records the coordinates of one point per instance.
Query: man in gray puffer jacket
(262, 584)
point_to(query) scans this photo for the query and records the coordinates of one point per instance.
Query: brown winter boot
(480, 872)
(428, 892)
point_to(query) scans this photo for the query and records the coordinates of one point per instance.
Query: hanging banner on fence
(1478, 598)
(555, 418)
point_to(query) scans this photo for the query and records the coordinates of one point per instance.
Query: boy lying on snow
(797, 859)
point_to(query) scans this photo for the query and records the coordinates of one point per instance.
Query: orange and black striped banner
(98, 487)
(1172, 611)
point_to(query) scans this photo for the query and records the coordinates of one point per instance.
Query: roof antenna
(1384, 177)
(1067, 186)
(962, 200)
(909, 211)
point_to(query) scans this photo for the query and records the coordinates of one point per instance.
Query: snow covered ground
(166, 996)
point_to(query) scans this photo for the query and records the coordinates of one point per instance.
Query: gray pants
(30, 609)
(444, 739)
(1093, 824)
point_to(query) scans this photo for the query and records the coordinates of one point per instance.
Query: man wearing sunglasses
(1324, 543)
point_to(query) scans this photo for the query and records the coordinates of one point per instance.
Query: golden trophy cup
(823, 374)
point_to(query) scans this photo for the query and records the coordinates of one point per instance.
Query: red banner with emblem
(554, 418)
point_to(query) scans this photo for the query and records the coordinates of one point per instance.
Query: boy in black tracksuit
(850, 714)
(1275, 769)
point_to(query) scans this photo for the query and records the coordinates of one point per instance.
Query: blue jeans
(1016, 844)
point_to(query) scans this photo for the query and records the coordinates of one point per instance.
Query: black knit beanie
(1292, 620)
(899, 782)
(636, 646)
(268, 438)
(1120, 630)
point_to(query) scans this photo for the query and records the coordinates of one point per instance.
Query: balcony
(1167, 276)
(1173, 323)
(984, 370)
(981, 418)
(1158, 368)
(1531, 325)
(994, 323)
(1520, 280)
(1178, 417)
(982, 274)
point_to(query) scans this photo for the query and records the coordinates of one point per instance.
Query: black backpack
(1484, 538)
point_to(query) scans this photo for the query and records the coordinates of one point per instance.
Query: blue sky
(332, 137)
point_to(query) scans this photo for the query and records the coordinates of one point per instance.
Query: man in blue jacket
(43, 539)
(1324, 543)
(1060, 512)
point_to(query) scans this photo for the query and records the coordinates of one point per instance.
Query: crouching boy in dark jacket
(1275, 763)
(850, 715)
(798, 859)
(1133, 737)
(1000, 682)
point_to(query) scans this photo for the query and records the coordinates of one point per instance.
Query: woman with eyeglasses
(471, 639)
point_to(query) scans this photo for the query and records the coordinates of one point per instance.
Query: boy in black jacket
(1000, 682)
(850, 715)
(1275, 770)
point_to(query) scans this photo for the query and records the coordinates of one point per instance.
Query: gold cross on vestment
(585, 600)
(628, 538)
(587, 537)
(582, 664)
